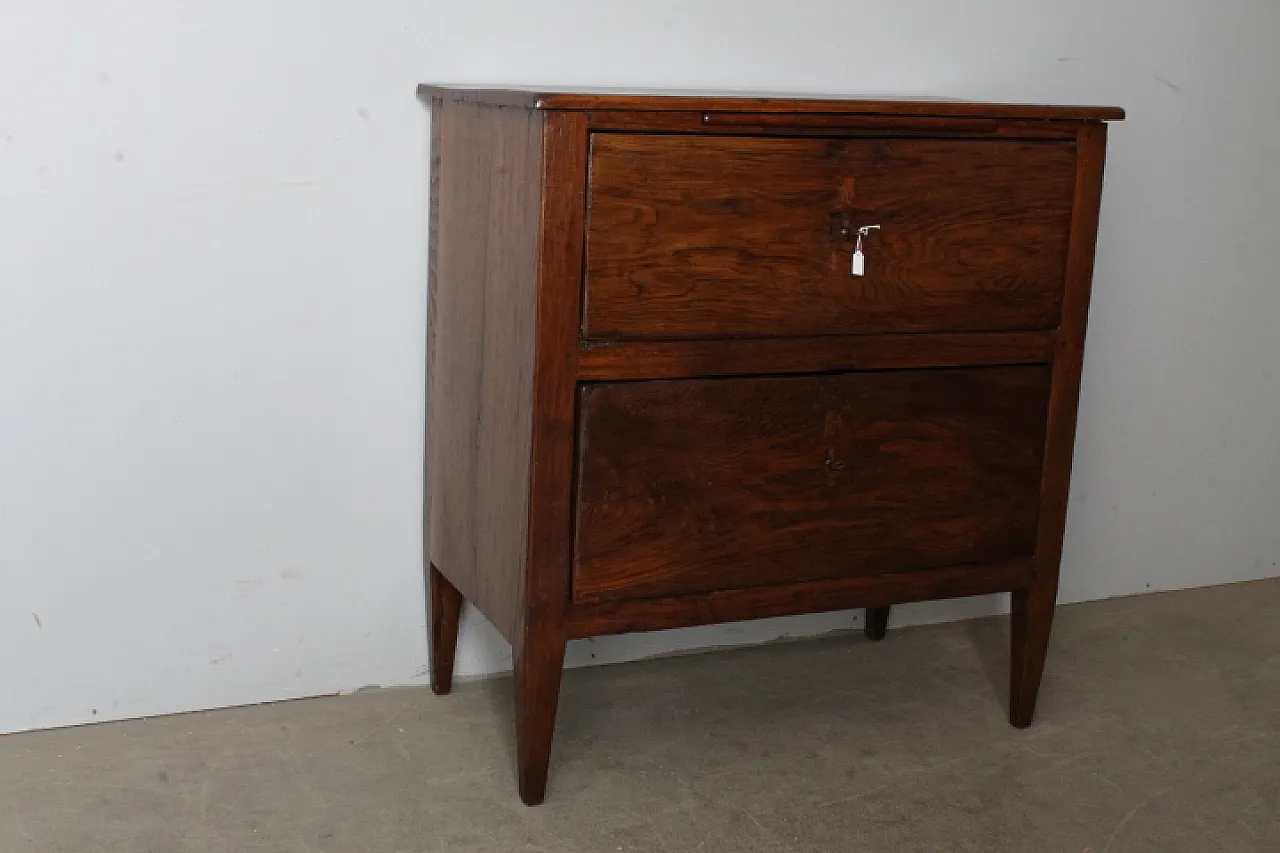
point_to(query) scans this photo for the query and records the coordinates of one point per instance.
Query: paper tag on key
(859, 264)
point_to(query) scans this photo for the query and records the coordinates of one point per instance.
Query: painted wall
(212, 287)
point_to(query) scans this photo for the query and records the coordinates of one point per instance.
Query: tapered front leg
(1032, 621)
(539, 665)
(541, 628)
(446, 607)
(877, 623)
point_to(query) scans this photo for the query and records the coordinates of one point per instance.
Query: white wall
(212, 265)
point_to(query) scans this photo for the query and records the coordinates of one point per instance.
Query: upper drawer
(721, 236)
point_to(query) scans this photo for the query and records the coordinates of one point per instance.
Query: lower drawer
(703, 484)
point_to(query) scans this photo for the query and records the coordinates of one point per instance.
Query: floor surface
(1158, 730)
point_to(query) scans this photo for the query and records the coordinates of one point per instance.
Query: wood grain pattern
(657, 397)
(708, 237)
(486, 182)
(694, 485)
(673, 359)
(620, 99)
(1033, 607)
(1069, 356)
(731, 605)
(540, 641)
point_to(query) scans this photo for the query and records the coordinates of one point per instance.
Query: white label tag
(859, 263)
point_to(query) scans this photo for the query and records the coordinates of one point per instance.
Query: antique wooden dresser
(700, 359)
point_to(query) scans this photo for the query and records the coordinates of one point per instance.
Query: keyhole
(833, 464)
(842, 226)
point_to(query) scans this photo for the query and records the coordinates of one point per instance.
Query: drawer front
(706, 236)
(696, 485)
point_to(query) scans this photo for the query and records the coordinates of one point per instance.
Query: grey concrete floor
(1158, 730)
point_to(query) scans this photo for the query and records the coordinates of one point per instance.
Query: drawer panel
(696, 485)
(723, 236)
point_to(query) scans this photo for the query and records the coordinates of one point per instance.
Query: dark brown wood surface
(1033, 607)
(877, 623)
(1031, 621)
(706, 237)
(866, 441)
(1069, 356)
(486, 200)
(759, 602)
(827, 124)
(673, 359)
(844, 121)
(446, 610)
(544, 587)
(766, 102)
(695, 485)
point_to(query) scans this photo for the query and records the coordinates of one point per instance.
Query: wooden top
(763, 102)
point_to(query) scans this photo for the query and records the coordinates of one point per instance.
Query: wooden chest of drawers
(702, 359)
